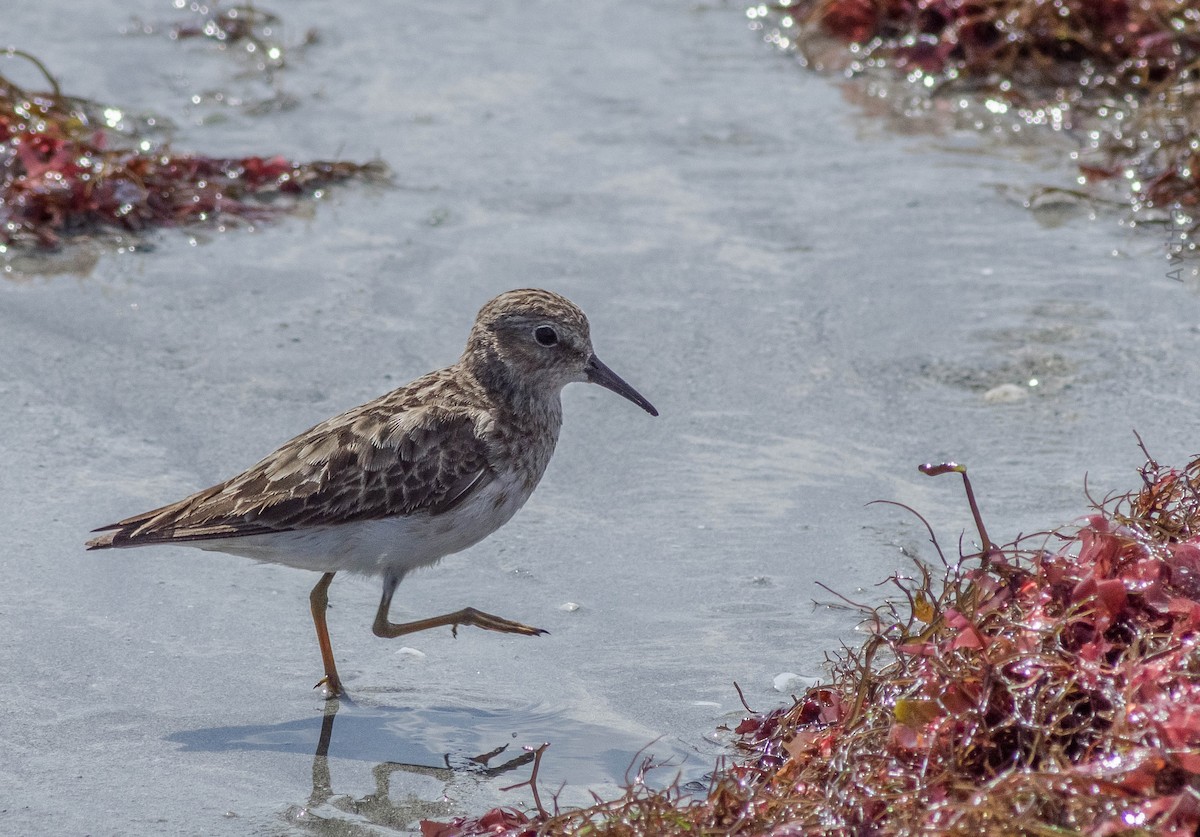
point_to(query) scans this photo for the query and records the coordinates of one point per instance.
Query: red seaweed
(1049, 686)
(66, 170)
(1123, 75)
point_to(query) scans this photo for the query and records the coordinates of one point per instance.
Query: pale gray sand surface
(814, 306)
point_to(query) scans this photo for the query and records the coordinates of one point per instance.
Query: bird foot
(471, 616)
(333, 687)
(466, 616)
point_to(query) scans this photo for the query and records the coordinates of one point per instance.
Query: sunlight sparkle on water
(1134, 819)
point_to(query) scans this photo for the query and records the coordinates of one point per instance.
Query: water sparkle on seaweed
(1125, 75)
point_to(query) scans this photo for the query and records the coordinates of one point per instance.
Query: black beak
(600, 374)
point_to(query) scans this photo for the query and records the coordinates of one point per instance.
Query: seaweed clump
(71, 167)
(244, 27)
(1043, 690)
(250, 28)
(1123, 74)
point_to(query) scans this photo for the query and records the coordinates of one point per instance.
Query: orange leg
(319, 599)
(466, 616)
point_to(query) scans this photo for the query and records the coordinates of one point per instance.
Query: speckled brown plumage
(396, 455)
(399, 482)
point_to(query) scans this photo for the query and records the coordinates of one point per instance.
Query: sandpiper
(401, 482)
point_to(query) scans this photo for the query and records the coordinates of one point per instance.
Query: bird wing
(366, 464)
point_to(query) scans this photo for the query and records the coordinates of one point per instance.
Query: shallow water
(815, 307)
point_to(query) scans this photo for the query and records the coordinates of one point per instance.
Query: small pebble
(569, 607)
(405, 651)
(789, 681)
(1005, 394)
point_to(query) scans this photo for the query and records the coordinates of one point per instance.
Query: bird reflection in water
(379, 808)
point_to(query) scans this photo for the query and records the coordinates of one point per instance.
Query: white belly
(396, 544)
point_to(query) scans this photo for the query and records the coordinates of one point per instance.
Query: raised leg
(319, 599)
(466, 616)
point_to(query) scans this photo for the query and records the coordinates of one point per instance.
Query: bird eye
(545, 335)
